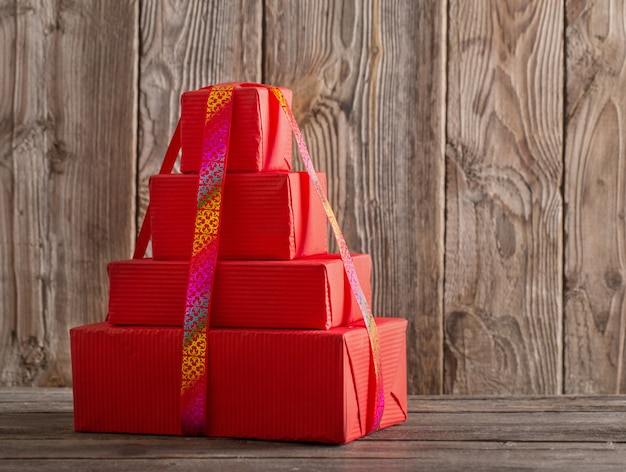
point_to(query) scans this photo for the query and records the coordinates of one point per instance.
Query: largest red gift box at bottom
(292, 385)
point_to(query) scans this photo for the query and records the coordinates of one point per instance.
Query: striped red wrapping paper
(265, 215)
(332, 384)
(292, 385)
(260, 132)
(309, 293)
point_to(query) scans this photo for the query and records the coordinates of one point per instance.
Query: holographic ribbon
(203, 259)
(368, 317)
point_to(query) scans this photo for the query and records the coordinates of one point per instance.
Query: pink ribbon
(368, 317)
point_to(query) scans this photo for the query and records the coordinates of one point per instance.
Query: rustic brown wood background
(475, 149)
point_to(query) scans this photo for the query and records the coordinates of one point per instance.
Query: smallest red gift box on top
(271, 215)
(308, 293)
(260, 134)
(290, 385)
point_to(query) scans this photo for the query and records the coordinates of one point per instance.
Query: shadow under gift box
(293, 385)
(271, 215)
(308, 293)
(260, 134)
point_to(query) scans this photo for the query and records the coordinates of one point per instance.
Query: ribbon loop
(166, 168)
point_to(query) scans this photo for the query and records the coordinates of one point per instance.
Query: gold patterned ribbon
(204, 259)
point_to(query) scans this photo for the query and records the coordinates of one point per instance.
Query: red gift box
(293, 385)
(260, 134)
(309, 293)
(274, 215)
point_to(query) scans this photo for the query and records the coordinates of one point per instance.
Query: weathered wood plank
(28, 394)
(503, 320)
(595, 195)
(8, 306)
(20, 399)
(525, 404)
(547, 459)
(436, 440)
(186, 45)
(67, 150)
(526, 426)
(443, 433)
(372, 114)
(581, 426)
(91, 446)
(31, 400)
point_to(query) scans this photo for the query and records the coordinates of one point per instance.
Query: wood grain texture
(8, 294)
(595, 195)
(544, 457)
(42, 400)
(442, 433)
(185, 45)
(372, 112)
(503, 284)
(89, 97)
(67, 142)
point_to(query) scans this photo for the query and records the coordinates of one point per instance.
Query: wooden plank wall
(68, 112)
(475, 149)
(503, 290)
(595, 194)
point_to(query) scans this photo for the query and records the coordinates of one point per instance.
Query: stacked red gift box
(289, 356)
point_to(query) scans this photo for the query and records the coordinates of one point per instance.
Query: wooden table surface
(442, 433)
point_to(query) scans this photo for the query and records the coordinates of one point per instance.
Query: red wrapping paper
(293, 385)
(309, 293)
(272, 215)
(260, 134)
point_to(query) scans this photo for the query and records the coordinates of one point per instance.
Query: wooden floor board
(442, 433)
(159, 447)
(440, 461)
(561, 403)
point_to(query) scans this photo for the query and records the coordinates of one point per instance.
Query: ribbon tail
(368, 317)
